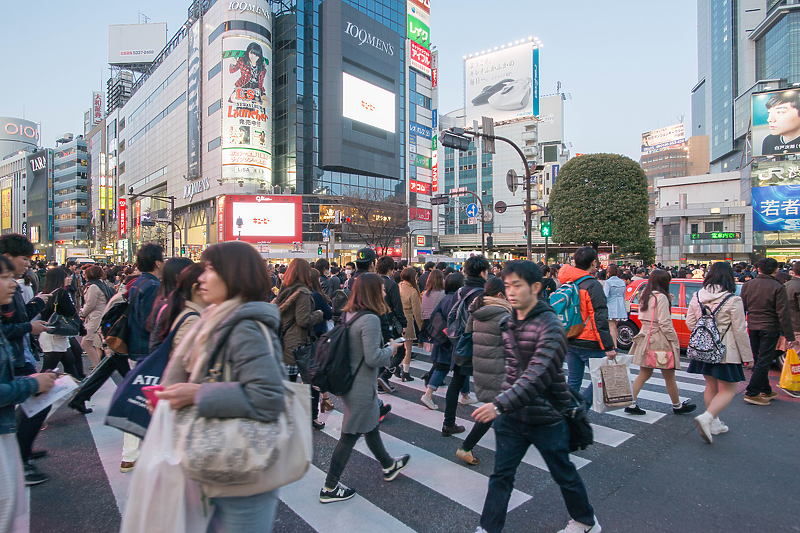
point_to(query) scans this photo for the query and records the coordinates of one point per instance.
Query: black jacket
(470, 283)
(16, 322)
(65, 306)
(393, 301)
(535, 391)
(329, 285)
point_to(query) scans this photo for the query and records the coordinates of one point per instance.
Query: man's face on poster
(784, 119)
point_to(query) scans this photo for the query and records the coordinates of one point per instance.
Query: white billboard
(135, 43)
(504, 84)
(663, 138)
(368, 103)
(265, 220)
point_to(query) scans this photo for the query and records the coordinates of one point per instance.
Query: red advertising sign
(137, 215)
(390, 251)
(97, 108)
(420, 240)
(123, 217)
(220, 219)
(420, 187)
(418, 213)
(434, 70)
(420, 58)
(435, 174)
(254, 219)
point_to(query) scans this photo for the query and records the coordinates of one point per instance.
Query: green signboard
(418, 31)
(420, 161)
(716, 235)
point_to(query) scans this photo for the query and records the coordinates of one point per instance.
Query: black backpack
(330, 371)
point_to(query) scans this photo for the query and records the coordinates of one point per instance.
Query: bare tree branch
(377, 218)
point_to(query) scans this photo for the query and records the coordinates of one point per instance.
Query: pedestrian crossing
(413, 429)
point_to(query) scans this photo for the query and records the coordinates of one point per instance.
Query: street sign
(511, 181)
(337, 217)
(487, 216)
(326, 232)
(326, 239)
(459, 191)
(500, 207)
(440, 200)
(472, 220)
(472, 210)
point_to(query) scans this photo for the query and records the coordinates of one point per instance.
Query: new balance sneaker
(577, 527)
(718, 426)
(384, 410)
(399, 464)
(33, 476)
(383, 383)
(339, 493)
(703, 423)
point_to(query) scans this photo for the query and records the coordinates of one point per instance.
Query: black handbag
(303, 354)
(66, 326)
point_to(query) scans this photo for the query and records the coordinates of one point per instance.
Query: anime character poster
(247, 105)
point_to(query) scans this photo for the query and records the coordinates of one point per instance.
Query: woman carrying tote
(658, 337)
(361, 407)
(56, 348)
(614, 289)
(236, 285)
(719, 295)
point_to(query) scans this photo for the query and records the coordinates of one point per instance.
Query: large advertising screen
(135, 43)
(273, 219)
(776, 208)
(503, 85)
(247, 117)
(5, 209)
(776, 122)
(367, 103)
(663, 138)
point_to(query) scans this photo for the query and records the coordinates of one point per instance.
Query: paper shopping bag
(790, 376)
(598, 385)
(617, 391)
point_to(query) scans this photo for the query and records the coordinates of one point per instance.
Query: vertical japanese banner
(123, 218)
(137, 218)
(435, 163)
(247, 120)
(5, 198)
(193, 137)
(220, 218)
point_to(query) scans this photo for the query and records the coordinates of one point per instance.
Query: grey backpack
(705, 342)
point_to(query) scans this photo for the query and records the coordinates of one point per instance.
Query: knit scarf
(195, 349)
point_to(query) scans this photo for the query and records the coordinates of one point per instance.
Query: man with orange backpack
(594, 339)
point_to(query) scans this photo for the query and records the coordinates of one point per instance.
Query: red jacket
(594, 306)
(245, 73)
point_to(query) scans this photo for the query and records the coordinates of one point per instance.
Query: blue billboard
(776, 208)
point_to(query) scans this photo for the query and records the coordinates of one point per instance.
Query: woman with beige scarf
(236, 285)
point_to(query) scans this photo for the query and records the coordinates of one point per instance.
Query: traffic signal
(319, 250)
(457, 142)
(544, 226)
(183, 250)
(489, 242)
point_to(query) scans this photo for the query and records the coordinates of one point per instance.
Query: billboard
(19, 130)
(663, 138)
(135, 43)
(274, 219)
(247, 120)
(419, 22)
(419, 213)
(503, 85)
(420, 58)
(5, 210)
(776, 122)
(368, 103)
(123, 217)
(97, 108)
(420, 187)
(193, 139)
(776, 208)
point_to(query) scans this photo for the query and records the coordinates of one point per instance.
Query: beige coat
(92, 313)
(736, 340)
(412, 308)
(663, 338)
(186, 327)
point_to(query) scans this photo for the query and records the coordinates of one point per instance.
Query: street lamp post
(239, 224)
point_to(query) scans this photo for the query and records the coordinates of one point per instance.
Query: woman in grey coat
(361, 409)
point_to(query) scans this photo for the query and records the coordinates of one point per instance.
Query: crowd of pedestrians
(236, 327)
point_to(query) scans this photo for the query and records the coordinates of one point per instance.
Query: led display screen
(367, 103)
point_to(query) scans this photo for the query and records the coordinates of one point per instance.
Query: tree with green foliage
(602, 198)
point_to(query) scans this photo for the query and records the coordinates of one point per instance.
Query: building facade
(71, 193)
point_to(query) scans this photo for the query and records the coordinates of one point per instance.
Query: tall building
(71, 194)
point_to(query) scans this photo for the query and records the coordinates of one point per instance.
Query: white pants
(130, 443)
(13, 494)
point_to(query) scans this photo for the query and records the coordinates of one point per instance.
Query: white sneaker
(718, 426)
(480, 530)
(703, 423)
(428, 402)
(468, 400)
(576, 527)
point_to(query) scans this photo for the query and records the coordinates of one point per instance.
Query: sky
(628, 65)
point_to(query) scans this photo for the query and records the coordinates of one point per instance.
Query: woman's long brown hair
(367, 295)
(658, 282)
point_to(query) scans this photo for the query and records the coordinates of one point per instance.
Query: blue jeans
(254, 514)
(577, 361)
(513, 439)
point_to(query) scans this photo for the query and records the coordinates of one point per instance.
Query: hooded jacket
(767, 306)
(488, 356)
(594, 307)
(535, 390)
(298, 315)
(736, 340)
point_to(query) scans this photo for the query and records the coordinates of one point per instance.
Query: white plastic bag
(162, 499)
(598, 405)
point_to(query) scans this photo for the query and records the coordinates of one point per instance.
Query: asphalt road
(651, 474)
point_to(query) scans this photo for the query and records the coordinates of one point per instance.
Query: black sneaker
(685, 408)
(635, 410)
(452, 430)
(33, 476)
(339, 494)
(385, 409)
(383, 383)
(399, 464)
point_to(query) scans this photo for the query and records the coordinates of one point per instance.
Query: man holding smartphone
(17, 324)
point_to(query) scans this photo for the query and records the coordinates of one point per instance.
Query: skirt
(729, 372)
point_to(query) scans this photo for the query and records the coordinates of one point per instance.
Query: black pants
(77, 354)
(476, 434)
(101, 373)
(763, 345)
(28, 428)
(451, 399)
(50, 360)
(314, 398)
(341, 455)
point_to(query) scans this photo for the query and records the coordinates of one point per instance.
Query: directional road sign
(472, 220)
(326, 232)
(472, 210)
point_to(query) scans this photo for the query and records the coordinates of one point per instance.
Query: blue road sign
(326, 232)
(472, 210)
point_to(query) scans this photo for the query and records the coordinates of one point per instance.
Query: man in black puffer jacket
(530, 405)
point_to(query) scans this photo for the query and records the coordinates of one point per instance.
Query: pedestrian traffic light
(183, 250)
(544, 226)
(319, 250)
